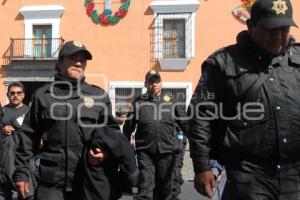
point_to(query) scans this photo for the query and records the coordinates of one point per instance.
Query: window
(122, 93)
(41, 22)
(174, 32)
(174, 38)
(124, 97)
(42, 39)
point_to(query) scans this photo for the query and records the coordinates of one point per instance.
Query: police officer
(65, 121)
(247, 102)
(1, 139)
(1, 117)
(1, 134)
(154, 116)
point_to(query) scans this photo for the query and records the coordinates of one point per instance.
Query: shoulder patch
(167, 98)
(88, 101)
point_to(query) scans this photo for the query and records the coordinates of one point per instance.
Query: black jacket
(264, 121)
(1, 118)
(114, 175)
(154, 120)
(60, 123)
(9, 143)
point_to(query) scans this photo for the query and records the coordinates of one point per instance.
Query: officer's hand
(8, 130)
(205, 183)
(96, 156)
(22, 188)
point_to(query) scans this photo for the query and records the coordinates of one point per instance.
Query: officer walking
(154, 116)
(1, 119)
(63, 128)
(14, 113)
(247, 109)
(1, 129)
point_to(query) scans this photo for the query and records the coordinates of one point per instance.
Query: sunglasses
(18, 93)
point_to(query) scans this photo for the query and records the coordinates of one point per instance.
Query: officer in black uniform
(248, 103)
(1, 129)
(1, 118)
(154, 116)
(1, 121)
(66, 129)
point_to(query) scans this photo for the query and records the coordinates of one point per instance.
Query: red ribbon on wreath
(90, 8)
(106, 18)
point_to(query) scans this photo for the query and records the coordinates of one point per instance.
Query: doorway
(42, 35)
(30, 88)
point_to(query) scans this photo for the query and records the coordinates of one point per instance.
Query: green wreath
(106, 17)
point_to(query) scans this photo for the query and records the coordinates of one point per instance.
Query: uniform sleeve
(117, 146)
(111, 140)
(203, 112)
(95, 177)
(181, 117)
(30, 137)
(130, 122)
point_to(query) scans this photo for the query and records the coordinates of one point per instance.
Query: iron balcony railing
(35, 48)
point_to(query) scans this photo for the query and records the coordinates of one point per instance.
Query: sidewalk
(188, 193)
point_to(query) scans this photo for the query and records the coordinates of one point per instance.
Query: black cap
(71, 47)
(273, 13)
(151, 74)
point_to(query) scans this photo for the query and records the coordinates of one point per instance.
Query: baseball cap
(71, 47)
(151, 74)
(273, 13)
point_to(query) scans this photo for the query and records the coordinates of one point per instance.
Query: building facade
(126, 38)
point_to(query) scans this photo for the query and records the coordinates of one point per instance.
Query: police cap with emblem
(71, 47)
(152, 74)
(273, 13)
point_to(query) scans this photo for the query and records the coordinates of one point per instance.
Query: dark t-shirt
(14, 116)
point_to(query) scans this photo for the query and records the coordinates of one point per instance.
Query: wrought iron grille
(35, 47)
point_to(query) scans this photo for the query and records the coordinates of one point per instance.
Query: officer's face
(154, 86)
(16, 96)
(271, 41)
(73, 66)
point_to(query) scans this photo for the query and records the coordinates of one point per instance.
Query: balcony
(32, 59)
(34, 48)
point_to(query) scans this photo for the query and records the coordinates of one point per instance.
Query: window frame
(174, 39)
(41, 15)
(41, 45)
(132, 84)
(174, 9)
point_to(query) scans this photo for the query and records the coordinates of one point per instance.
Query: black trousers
(53, 193)
(263, 181)
(177, 175)
(156, 172)
(5, 193)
